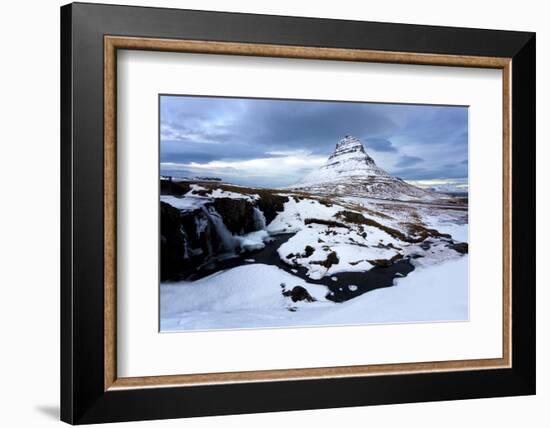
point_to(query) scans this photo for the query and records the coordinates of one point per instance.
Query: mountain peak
(350, 171)
(348, 159)
(350, 148)
(349, 143)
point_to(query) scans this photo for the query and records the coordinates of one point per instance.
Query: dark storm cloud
(205, 130)
(271, 125)
(406, 160)
(379, 145)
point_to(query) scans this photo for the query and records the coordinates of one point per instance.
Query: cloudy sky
(272, 143)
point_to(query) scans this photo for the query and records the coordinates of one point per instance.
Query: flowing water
(346, 286)
(228, 241)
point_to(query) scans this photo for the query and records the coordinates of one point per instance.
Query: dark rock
(270, 204)
(332, 259)
(202, 192)
(172, 242)
(425, 245)
(203, 239)
(460, 247)
(416, 256)
(385, 262)
(188, 240)
(325, 202)
(352, 217)
(298, 294)
(330, 223)
(308, 251)
(418, 233)
(174, 188)
(237, 214)
(357, 218)
(387, 246)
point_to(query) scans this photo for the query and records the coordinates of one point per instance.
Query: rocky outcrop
(298, 293)
(187, 240)
(459, 247)
(190, 238)
(332, 259)
(416, 233)
(172, 242)
(238, 214)
(174, 188)
(270, 204)
(385, 262)
(329, 223)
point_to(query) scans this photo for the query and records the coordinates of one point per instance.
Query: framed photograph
(266, 213)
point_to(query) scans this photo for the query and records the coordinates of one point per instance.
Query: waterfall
(228, 241)
(185, 243)
(259, 219)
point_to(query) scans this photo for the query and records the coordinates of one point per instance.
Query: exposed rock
(416, 233)
(388, 246)
(270, 204)
(298, 294)
(188, 240)
(352, 217)
(416, 256)
(308, 251)
(426, 245)
(172, 242)
(237, 214)
(330, 223)
(357, 218)
(385, 262)
(203, 240)
(325, 202)
(332, 259)
(460, 247)
(174, 188)
(201, 192)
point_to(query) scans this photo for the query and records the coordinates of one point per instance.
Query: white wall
(29, 165)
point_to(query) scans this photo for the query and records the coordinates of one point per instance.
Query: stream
(339, 290)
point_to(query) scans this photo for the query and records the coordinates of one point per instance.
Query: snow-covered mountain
(350, 171)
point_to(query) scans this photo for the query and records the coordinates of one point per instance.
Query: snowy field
(250, 297)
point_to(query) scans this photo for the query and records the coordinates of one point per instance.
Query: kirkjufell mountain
(350, 171)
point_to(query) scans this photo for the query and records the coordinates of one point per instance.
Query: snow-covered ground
(352, 249)
(185, 204)
(357, 246)
(330, 236)
(250, 296)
